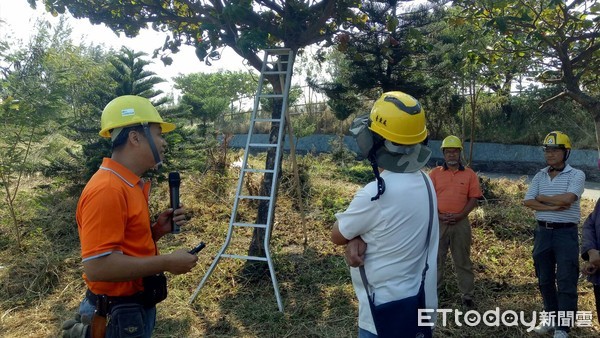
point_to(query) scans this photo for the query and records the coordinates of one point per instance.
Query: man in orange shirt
(122, 267)
(457, 189)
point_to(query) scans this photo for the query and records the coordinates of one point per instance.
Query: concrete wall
(490, 157)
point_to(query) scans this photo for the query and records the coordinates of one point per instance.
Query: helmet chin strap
(157, 159)
(373, 160)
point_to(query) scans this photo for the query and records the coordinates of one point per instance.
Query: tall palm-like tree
(132, 78)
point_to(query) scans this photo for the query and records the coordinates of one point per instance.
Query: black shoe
(468, 303)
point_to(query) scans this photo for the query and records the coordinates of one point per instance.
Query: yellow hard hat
(399, 118)
(557, 139)
(130, 110)
(451, 142)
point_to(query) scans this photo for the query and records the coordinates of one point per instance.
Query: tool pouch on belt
(155, 289)
(126, 321)
(118, 317)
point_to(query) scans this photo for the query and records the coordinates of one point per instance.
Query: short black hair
(124, 134)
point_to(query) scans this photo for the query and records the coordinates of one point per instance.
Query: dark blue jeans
(556, 261)
(362, 333)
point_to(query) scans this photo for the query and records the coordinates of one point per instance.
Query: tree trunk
(592, 106)
(474, 97)
(597, 125)
(13, 214)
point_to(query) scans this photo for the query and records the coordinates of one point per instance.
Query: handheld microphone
(174, 181)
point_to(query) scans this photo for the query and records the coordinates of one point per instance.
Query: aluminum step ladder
(276, 62)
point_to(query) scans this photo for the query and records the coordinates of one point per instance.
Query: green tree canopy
(245, 26)
(208, 96)
(228, 84)
(559, 37)
(388, 51)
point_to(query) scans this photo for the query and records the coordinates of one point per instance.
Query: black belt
(555, 225)
(104, 303)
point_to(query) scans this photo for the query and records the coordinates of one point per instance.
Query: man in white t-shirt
(387, 223)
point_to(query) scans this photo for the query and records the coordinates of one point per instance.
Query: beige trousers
(457, 238)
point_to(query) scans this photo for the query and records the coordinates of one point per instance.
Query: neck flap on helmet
(369, 143)
(382, 153)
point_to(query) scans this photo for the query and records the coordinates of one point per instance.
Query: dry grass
(40, 284)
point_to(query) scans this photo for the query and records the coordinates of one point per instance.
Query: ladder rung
(267, 96)
(278, 51)
(250, 258)
(252, 170)
(277, 63)
(267, 120)
(275, 72)
(250, 225)
(264, 198)
(263, 145)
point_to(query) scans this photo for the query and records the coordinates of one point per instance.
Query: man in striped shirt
(554, 194)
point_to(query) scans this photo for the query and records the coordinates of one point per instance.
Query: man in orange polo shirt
(122, 266)
(457, 189)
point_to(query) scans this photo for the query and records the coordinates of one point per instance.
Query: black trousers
(597, 296)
